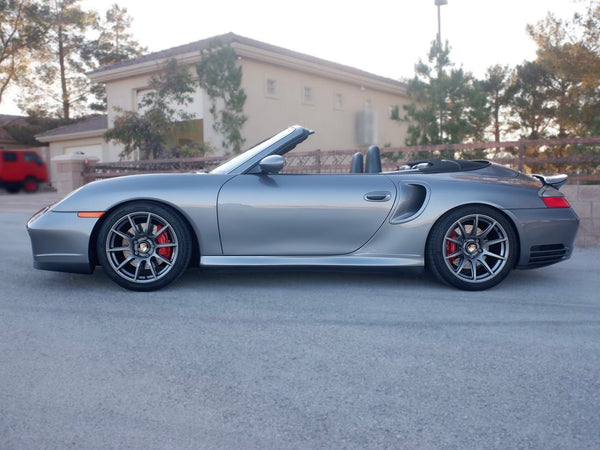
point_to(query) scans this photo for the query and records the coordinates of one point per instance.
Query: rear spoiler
(556, 181)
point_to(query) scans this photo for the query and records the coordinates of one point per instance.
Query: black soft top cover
(436, 165)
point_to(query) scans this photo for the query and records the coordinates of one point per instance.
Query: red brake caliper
(451, 246)
(163, 239)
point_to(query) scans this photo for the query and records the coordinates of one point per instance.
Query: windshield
(230, 165)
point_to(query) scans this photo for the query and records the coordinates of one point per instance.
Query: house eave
(141, 69)
(316, 68)
(250, 52)
(72, 136)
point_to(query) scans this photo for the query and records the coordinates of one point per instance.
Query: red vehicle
(22, 169)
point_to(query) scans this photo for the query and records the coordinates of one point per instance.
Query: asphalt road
(300, 359)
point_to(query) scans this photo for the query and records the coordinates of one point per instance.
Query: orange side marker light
(90, 214)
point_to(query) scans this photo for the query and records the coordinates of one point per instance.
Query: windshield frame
(239, 160)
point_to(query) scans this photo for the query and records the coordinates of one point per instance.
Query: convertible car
(469, 222)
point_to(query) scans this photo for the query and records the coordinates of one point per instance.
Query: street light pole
(439, 3)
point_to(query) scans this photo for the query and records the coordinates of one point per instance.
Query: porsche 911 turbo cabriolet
(468, 222)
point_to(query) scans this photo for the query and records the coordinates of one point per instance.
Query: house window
(307, 94)
(338, 101)
(145, 98)
(141, 96)
(394, 112)
(271, 87)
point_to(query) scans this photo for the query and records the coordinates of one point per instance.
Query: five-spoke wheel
(472, 248)
(144, 246)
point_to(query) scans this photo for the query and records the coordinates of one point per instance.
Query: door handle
(378, 196)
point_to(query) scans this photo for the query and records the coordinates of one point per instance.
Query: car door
(12, 168)
(34, 166)
(301, 215)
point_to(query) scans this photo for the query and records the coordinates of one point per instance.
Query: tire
(30, 185)
(136, 254)
(472, 248)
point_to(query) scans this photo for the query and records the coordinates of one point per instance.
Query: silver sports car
(468, 222)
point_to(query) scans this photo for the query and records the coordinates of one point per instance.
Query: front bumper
(60, 241)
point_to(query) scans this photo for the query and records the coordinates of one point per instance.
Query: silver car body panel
(60, 241)
(354, 260)
(194, 195)
(302, 214)
(242, 216)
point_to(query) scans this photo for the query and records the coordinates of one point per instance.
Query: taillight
(556, 202)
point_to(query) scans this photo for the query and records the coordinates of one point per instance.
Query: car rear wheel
(472, 248)
(144, 246)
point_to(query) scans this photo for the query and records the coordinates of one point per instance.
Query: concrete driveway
(298, 359)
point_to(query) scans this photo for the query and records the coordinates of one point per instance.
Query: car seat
(373, 164)
(357, 163)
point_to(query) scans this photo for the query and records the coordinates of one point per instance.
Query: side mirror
(272, 164)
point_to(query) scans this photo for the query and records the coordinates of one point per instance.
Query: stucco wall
(332, 111)
(95, 147)
(585, 200)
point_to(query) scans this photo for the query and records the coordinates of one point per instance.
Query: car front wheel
(144, 246)
(472, 248)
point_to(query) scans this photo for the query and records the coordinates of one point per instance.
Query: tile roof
(231, 38)
(95, 123)
(6, 118)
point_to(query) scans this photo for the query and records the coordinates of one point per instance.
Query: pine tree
(58, 85)
(569, 51)
(448, 105)
(496, 87)
(532, 101)
(113, 44)
(20, 34)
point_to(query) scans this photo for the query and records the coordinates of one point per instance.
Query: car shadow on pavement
(195, 278)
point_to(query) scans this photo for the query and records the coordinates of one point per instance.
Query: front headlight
(41, 212)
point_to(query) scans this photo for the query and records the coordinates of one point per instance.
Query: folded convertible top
(436, 165)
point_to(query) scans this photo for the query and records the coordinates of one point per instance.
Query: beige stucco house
(349, 108)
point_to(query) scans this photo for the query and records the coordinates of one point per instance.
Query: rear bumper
(546, 236)
(60, 241)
